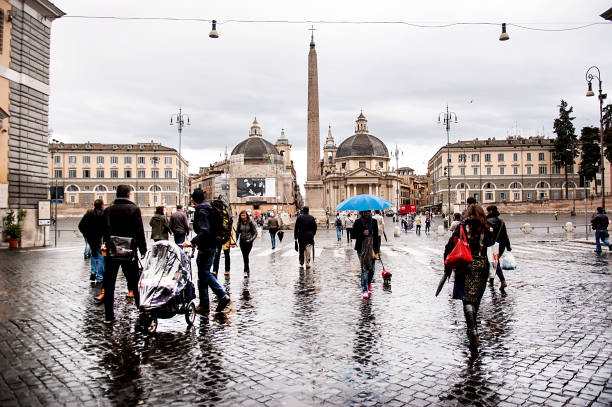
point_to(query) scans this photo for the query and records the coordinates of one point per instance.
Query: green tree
(607, 131)
(566, 142)
(591, 154)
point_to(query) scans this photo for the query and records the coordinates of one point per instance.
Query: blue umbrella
(363, 202)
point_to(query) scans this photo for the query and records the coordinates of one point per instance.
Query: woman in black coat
(367, 240)
(501, 237)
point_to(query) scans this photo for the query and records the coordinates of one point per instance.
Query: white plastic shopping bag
(493, 255)
(508, 261)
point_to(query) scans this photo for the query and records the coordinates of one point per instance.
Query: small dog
(386, 275)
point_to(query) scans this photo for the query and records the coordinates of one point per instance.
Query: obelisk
(314, 183)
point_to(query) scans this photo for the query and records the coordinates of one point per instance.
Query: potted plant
(12, 229)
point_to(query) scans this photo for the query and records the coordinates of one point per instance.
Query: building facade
(516, 169)
(25, 36)
(213, 180)
(82, 173)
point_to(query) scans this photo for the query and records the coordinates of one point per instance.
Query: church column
(354, 189)
(348, 192)
(377, 190)
(370, 189)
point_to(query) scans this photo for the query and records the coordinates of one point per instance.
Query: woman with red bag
(470, 278)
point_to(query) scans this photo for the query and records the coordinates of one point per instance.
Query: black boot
(469, 310)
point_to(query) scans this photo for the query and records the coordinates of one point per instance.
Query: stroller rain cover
(166, 272)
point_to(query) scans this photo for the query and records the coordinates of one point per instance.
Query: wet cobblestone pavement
(306, 337)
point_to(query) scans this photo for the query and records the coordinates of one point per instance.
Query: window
(167, 160)
(542, 170)
(517, 196)
(477, 196)
(100, 188)
(462, 158)
(500, 157)
(515, 185)
(529, 196)
(86, 173)
(154, 160)
(502, 170)
(58, 159)
(487, 158)
(515, 170)
(475, 170)
(127, 173)
(475, 158)
(528, 156)
(542, 184)
(100, 159)
(502, 196)
(72, 159)
(72, 199)
(154, 173)
(168, 174)
(141, 160)
(462, 170)
(515, 157)
(489, 185)
(127, 160)
(72, 173)
(58, 173)
(86, 159)
(462, 196)
(362, 164)
(488, 170)
(555, 169)
(141, 173)
(528, 170)
(100, 173)
(542, 194)
(114, 173)
(72, 188)
(344, 166)
(381, 164)
(489, 196)
(85, 199)
(598, 182)
(541, 156)
(114, 159)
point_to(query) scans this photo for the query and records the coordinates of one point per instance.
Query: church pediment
(362, 172)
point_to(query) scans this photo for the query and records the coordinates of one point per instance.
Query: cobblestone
(306, 337)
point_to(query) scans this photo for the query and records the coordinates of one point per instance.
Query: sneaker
(246, 275)
(223, 303)
(369, 287)
(366, 295)
(92, 277)
(109, 321)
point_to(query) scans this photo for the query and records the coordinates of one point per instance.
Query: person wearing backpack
(338, 223)
(246, 233)
(273, 227)
(224, 235)
(501, 237)
(207, 225)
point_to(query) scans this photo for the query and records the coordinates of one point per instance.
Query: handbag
(460, 256)
(493, 256)
(508, 262)
(604, 234)
(280, 234)
(121, 248)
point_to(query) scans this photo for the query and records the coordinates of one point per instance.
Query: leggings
(245, 248)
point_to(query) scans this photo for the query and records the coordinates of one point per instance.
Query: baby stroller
(166, 287)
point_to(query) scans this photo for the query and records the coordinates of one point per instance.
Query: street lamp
(397, 153)
(590, 75)
(179, 118)
(56, 142)
(446, 118)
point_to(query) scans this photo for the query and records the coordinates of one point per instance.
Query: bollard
(526, 228)
(396, 231)
(569, 227)
(440, 230)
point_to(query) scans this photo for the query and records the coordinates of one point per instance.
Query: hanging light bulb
(590, 91)
(504, 35)
(213, 32)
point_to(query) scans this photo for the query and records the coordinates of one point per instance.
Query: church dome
(362, 144)
(255, 147)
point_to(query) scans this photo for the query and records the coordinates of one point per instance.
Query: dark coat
(207, 226)
(159, 227)
(246, 231)
(305, 229)
(358, 229)
(179, 223)
(92, 228)
(123, 218)
(600, 222)
(500, 232)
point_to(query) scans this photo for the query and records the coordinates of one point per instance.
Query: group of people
(414, 220)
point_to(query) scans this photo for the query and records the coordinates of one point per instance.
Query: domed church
(262, 176)
(359, 165)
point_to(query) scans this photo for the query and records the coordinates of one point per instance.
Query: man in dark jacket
(123, 219)
(600, 223)
(179, 225)
(304, 232)
(501, 236)
(365, 231)
(207, 226)
(92, 228)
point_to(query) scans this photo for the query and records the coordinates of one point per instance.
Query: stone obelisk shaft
(314, 146)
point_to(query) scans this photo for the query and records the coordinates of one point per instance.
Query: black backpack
(224, 215)
(338, 222)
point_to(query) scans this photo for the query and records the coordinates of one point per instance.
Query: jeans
(273, 237)
(245, 248)
(339, 232)
(179, 238)
(226, 254)
(598, 238)
(97, 264)
(131, 273)
(499, 272)
(418, 229)
(348, 234)
(204, 261)
(366, 277)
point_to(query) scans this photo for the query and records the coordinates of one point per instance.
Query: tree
(591, 154)
(607, 131)
(566, 142)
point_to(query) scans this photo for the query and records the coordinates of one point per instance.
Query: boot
(470, 319)
(100, 297)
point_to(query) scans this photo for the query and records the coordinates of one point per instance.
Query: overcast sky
(119, 81)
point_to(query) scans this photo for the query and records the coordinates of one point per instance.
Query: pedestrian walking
(246, 233)
(338, 223)
(179, 225)
(92, 228)
(427, 224)
(501, 236)
(231, 243)
(556, 214)
(159, 225)
(599, 223)
(470, 282)
(86, 251)
(417, 222)
(304, 233)
(207, 226)
(367, 242)
(456, 222)
(348, 227)
(122, 220)
(381, 225)
(326, 221)
(273, 227)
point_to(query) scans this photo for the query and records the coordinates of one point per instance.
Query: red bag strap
(462, 234)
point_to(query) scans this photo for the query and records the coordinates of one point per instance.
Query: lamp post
(397, 153)
(446, 118)
(56, 142)
(593, 73)
(179, 118)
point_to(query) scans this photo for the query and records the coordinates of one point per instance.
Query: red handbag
(461, 256)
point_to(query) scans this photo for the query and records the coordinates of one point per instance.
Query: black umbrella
(445, 276)
(280, 234)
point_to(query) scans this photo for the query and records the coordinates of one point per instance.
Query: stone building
(213, 180)
(359, 165)
(261, 174)
(88, 171)
(25, 36)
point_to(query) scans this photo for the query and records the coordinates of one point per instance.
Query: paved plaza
(306, 337)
